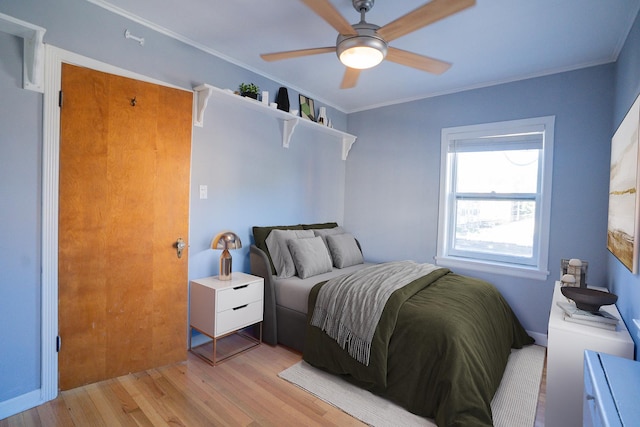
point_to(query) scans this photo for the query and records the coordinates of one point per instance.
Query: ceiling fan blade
(329, 13)
(277, 56)
(350, 78)
(422, 16)
(414, 60)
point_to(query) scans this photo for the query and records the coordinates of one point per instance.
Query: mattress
(293, 292)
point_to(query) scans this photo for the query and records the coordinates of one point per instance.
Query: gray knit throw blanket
(349, 307)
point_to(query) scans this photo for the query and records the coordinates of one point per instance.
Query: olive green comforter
(439, 350)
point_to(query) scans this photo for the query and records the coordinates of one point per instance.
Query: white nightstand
(218, 308)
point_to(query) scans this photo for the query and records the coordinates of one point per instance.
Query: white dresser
(565, 359)
(611, 391)
(218, 308)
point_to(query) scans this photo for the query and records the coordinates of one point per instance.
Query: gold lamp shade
(225, 241)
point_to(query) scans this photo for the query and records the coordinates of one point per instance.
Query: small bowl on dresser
(588, 299)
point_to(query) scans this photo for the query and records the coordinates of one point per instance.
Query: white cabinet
(611, 391)
(218, 308)
(565, 358)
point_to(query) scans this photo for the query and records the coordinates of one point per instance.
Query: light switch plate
(637, 323)
(203, 191)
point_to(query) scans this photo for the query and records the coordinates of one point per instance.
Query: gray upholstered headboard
(260, 235)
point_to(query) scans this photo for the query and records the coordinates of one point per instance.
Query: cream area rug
(514, 404)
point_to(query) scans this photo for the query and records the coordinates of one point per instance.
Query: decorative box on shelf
(577, 268)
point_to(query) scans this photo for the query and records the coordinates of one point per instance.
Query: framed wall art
(624, 221)
(307, 110)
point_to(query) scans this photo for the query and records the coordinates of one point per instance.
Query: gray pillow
(344, 250)
(277, 244)
(310, 256)
(324, 232)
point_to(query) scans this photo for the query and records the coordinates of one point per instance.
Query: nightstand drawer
(240, 295)
(239, 317)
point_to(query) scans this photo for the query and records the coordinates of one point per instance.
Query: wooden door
(125, 150)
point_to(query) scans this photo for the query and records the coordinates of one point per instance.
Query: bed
(439, 345)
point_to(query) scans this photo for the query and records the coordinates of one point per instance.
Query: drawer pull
(240, 287)
(590, 397)
(242, 306)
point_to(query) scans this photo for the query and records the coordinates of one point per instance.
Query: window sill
(492, 267)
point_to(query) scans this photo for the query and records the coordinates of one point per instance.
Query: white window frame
(445, 256)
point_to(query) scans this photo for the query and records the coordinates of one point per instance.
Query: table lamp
(225, 241)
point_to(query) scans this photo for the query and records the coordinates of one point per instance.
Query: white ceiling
(493, 42)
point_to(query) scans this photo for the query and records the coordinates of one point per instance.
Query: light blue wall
(252, 180)
(393, 175)
(238, 154)
(627, 77)
(20, 147)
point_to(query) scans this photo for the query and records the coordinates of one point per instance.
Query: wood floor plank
(260, 407)
(54, 414)
(108, 405)
(128, 383)
(127, 404)
(24, 419)
(192, 414)
(160, 402)
(283, 398)
(243, 391)
(208, 399)
(81, 408)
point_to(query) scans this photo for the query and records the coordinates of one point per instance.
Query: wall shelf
(289, 122)
(33, 65)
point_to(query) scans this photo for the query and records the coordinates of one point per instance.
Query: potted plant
(249, 89)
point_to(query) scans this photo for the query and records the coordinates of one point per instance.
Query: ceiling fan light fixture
(361, 57)
(364, 45)
(365, 50)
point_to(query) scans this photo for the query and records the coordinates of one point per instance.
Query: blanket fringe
(357, 347)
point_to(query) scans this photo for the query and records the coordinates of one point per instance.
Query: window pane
(508, 171)
(500, 227)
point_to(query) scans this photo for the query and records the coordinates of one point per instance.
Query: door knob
(180, 245)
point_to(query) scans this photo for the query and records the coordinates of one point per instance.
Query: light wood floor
(243, 391)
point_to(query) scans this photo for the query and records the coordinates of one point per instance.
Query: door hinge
(60, 99)
(58, 343)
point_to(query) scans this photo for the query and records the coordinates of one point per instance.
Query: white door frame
(50, 192)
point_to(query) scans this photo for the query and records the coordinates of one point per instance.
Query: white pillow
(310, 256)
(277, 244)
(344, 250)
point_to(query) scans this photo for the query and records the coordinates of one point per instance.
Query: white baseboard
(20, 403)
(541, 339)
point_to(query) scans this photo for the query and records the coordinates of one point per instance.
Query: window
(495, 197)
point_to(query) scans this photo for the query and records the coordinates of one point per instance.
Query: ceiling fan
(364, 45)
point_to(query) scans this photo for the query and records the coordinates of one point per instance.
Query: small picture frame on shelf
(307, 110)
